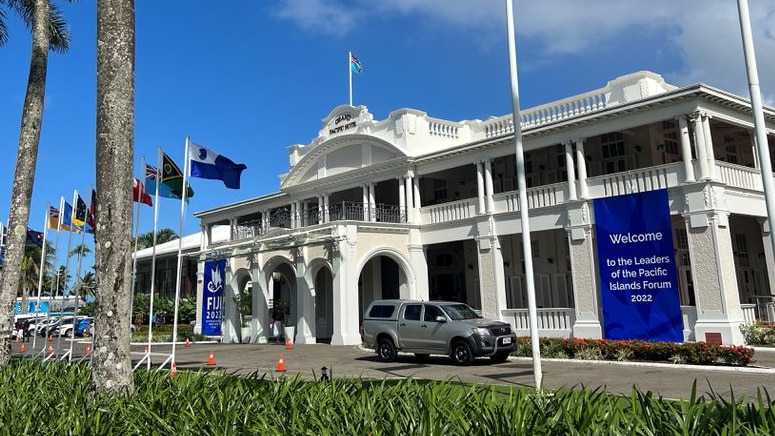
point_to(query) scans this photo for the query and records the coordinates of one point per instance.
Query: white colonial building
(417, 207)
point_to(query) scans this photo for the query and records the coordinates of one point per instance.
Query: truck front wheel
(386, 351)
(461, 353)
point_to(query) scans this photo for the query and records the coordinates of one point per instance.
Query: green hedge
(53, 398)
(693, 353)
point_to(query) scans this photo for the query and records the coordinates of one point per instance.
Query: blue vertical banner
(212, 297)
(638, 284)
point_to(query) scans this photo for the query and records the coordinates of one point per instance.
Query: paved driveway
(671, 381)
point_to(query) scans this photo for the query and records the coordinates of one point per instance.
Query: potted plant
(283, 313)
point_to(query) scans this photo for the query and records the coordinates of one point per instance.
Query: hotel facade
(418, 207)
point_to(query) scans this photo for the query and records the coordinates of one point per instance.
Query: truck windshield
(460, 311)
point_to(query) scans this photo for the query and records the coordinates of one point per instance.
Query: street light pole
(527, 250)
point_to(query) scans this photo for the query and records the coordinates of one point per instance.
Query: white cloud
(705, 32)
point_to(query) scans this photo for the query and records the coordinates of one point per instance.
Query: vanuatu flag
(171, 180)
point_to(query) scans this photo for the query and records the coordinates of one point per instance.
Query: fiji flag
(207, 164)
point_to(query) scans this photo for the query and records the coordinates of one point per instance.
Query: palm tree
(112, 363)
(164, 235)
(49, 31)
(81, 250)
(86, 285)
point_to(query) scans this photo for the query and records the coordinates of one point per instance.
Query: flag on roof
(34, 238)
(138, 193)
(171, 180)
(355, 64)
(207, 164)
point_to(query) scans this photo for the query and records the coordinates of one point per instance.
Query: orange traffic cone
(88, 350)
(174, 370)
(50, 349)
(280, 365)
(188, 344)
(22, 349)
(288, 344)
(211, 359)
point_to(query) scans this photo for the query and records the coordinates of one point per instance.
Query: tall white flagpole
(527, 250)
(40, 276)
(350, 72)
(56, 272)
(158, 178)
(180, 248)
(758, 114)
(78, 260)
(138, 204)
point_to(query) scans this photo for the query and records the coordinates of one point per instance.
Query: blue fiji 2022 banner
(638, 284)
(212, 302)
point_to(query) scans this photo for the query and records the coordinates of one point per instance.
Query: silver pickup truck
(435, 327)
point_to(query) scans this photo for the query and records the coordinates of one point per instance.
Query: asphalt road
(666, 380)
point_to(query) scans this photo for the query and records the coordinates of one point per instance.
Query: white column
(260, 322)
(582, 161)
(365, 202)
(686, 149)
(416, 203)
(303, 214)
(709, 146)
(699, 145)
(480, 187)
(345, 291)
(326, 206)
(402, 195)
(570, 167)
(488, 191)
(372, 203)
(768, 252)
(305, 302)
(409, 202)
(293, 215)
(756, 163)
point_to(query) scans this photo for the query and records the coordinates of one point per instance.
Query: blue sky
(249, 79)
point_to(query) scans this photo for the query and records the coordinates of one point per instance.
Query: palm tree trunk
(24, 175)
(111, 363)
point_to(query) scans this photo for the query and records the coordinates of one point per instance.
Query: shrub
(758, 333)
(694, 353)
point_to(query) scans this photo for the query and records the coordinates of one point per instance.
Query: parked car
(435, 327)
(81, 325)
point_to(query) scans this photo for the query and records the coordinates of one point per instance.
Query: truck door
(434, 334)
(409, 326)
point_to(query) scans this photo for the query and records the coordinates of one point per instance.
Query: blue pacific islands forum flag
(207, 164)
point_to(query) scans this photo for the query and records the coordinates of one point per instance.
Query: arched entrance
(324, 305)
(239, 307)
(384, 275)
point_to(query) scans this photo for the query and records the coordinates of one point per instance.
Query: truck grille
(501, 330)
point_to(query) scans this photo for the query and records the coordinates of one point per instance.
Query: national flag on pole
(355, 64)
(80, 214)
(171, 180)
(138, 193)
(207, 164)
(55, 221)
(34, 238)
(66, 219)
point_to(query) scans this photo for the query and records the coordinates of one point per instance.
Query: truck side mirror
(440, 318)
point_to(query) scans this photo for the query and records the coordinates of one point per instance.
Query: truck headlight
(481, 331)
